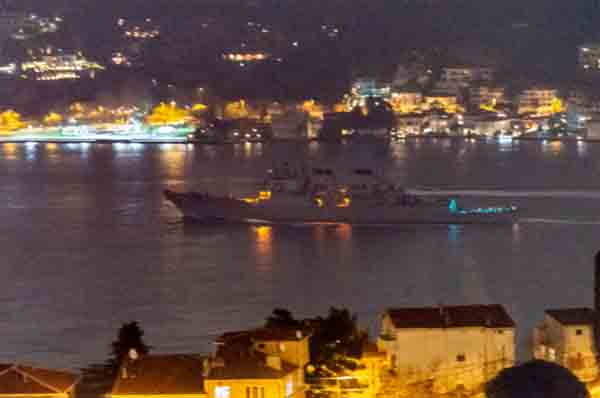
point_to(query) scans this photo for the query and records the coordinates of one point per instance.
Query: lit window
(289, 388)
(222, 392)
(255, 392)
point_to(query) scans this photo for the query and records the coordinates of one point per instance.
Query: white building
(459, 77)
(566, 336)
(453, 347)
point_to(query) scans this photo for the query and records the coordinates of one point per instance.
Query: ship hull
(214, 209)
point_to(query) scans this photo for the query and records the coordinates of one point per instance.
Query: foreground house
(566, 337)
(448, 347)
(259, 363)
(25, 381)
(161, 376)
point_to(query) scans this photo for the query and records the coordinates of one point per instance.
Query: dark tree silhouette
(282, 318)
(336, 334)
(130, 336)
(536, 379)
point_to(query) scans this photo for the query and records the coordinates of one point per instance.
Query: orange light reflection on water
(263, 236)
(9, 150)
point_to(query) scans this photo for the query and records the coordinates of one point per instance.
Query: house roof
(19, 379)
(161, 375)
(265, 334)
(250, 367)
(492, 316)
(573, 316)
(237, 358)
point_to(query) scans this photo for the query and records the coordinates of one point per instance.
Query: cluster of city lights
(246, 57)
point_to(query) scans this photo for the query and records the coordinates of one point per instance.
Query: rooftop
(253, 366)
(161, 375)
(265, 334)
(573, 316)
(27, 380)
(491, 316)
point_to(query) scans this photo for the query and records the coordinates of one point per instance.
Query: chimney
(444, 315)
(274, 362)
(206, 365)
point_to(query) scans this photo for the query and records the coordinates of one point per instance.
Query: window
(578, 332)
(255, 392)
(289, 388)
(281, 347)
(222, 392)
(461, 358)
(500, 331)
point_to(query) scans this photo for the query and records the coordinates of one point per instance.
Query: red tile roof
(573, 316)
(18, 379)
(492, 316)
(161, 375)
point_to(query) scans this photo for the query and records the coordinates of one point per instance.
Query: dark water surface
(87, 242)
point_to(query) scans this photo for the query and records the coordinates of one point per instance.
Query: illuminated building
(33, 25)
(566, 337)
(160, 376)
(365, 87)
(25, 381)
(120, 59)
(246, 57)
(453, 347)
(538, 101)
(143, 30)
(447, 103)
(486, 96)
(404, 102)
(459, 77)
(588, 57)
(60, 67)
(8, 69)
(259, 363)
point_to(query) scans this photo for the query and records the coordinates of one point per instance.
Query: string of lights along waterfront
(88, 241)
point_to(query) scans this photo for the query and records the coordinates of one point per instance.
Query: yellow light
(319, 202)
(345, 202)
(251, 200)
(264, 195)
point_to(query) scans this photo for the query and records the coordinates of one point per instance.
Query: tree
(536, 379)
(336, 335)
(130, 336)
(282, 318)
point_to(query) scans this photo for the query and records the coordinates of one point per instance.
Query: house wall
(562, 344)
(422, 354)
(295, 352)
(273, 388)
